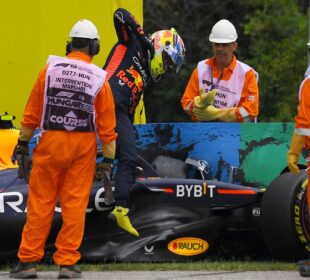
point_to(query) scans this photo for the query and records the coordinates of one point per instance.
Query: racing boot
(304, 268)
(24, 270)
(121, 215)
(69, 271)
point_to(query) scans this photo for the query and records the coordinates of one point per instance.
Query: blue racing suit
(128, 73)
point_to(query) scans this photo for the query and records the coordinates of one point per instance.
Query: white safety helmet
(223, 32)
(84, 28)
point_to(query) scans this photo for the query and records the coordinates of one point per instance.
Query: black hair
(79, 43)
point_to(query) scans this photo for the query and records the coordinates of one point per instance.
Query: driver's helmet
(169, 52)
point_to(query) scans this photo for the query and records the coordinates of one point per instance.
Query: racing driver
(132, 63)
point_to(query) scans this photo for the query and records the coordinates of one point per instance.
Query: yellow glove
(297, 143)
(211, 114)
(205, 99)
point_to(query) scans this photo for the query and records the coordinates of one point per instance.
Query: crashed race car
(202, 189)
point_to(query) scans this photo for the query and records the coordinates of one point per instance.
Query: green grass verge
(185, 266)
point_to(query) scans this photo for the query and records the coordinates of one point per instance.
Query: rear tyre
(168, 167)
(285, 217)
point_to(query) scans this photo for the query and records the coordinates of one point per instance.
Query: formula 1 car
(194, 197)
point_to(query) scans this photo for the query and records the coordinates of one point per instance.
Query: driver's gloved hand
(148, 46)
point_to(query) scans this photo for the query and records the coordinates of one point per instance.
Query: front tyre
(285, 217)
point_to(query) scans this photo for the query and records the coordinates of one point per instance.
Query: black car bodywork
(181, 210)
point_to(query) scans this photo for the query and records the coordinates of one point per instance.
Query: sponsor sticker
(256, 212)
(149, 250)
(188, 246)
(195, 190)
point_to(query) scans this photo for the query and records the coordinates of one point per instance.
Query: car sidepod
(178, 219)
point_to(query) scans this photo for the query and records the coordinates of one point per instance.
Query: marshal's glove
(215, 114)
(297, 143)
(103, 169)
(21, 155)
(103, 172)
(204, 99)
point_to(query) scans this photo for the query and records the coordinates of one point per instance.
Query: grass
(184, 266)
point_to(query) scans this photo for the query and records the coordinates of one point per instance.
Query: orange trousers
(63, 169)
(308, 185)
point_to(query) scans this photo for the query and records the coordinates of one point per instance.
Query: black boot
(304, 268)
(24, 271)
(69, 271)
